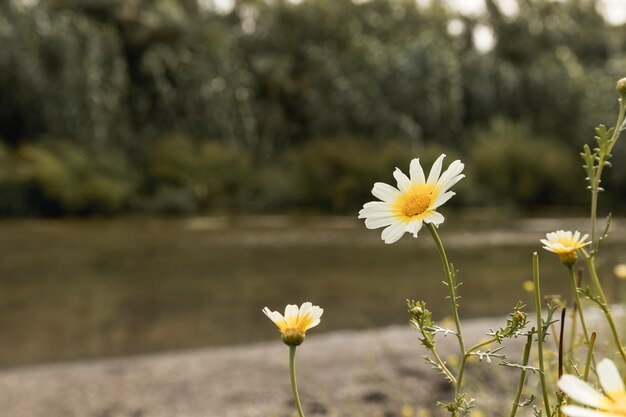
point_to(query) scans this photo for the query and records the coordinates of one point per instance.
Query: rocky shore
(347, 373)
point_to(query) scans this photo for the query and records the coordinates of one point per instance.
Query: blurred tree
(266, 78)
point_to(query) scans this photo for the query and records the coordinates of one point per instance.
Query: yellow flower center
(618, 405)
(416, 200)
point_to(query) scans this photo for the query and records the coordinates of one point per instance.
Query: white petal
(581, 391)
(376, 222)
(414, 226)
(442, 198)
(379, 210)
(376, 205)
(445, 186)
(610, 378)
(275, 316)
(393, 232)
(404, 183)
(304, 310)
(453, 170)
(291, 314)
(385, 192)
(434, 218)
(575, 411)
(433, 176)
(315, 314)
(416, 172)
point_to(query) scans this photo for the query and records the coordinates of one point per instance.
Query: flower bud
(554, 299)
(416, 311)
(621, 86)
(519, 318)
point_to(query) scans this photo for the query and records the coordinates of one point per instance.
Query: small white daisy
(563, 241)
(565, 244)
(611, 404)
(406, 208)
(296, 321)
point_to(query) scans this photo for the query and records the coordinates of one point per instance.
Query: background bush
(266, 121)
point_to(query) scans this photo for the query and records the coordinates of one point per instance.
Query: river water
(72, 289)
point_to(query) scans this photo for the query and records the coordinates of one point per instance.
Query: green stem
(542, 374)
(595, 186)
(522, 377)
(579, 307)
(481, 344)
(468, 354)
(444, 367)
(294, 384)
(453, 297)
(592, 344)
(590, 260)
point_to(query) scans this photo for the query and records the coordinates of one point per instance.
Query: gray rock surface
(347, 373)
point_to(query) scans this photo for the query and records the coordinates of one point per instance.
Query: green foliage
(505, 168)
(56, 177)
(111, 76)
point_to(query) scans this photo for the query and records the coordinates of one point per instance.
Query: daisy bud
(621, 86)
(416, 311)
(518, 318)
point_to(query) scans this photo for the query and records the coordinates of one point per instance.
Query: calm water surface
(78, 289)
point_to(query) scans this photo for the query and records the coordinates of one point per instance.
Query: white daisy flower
(611, 404)
(565, 244)
(563, 241)
(406, 208)
(296, 321)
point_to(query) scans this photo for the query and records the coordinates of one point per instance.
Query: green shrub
(226, 176)
(335, 174)
(510, 165)
(57, 177)
(172, 161)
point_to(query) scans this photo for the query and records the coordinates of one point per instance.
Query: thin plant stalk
(540, 336)
(294, 384)
(579, 308)
(592, 343)
(590, 260)
(522, 377)
(443, 366)
(453, 305)
(595, 186)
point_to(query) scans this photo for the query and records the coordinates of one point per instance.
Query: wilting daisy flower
(406, 208)
(296, 321)
(565, 244)
(611, 404)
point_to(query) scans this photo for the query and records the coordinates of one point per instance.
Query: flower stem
(542, 374)
(443, 366)
(581, 314)
(591, 266)
(522, 377)
(453, 305)
(595, 186)
(592, 344)
(294, 384)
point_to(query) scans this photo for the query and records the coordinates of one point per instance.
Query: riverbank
(79, 289)
(342, 373)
